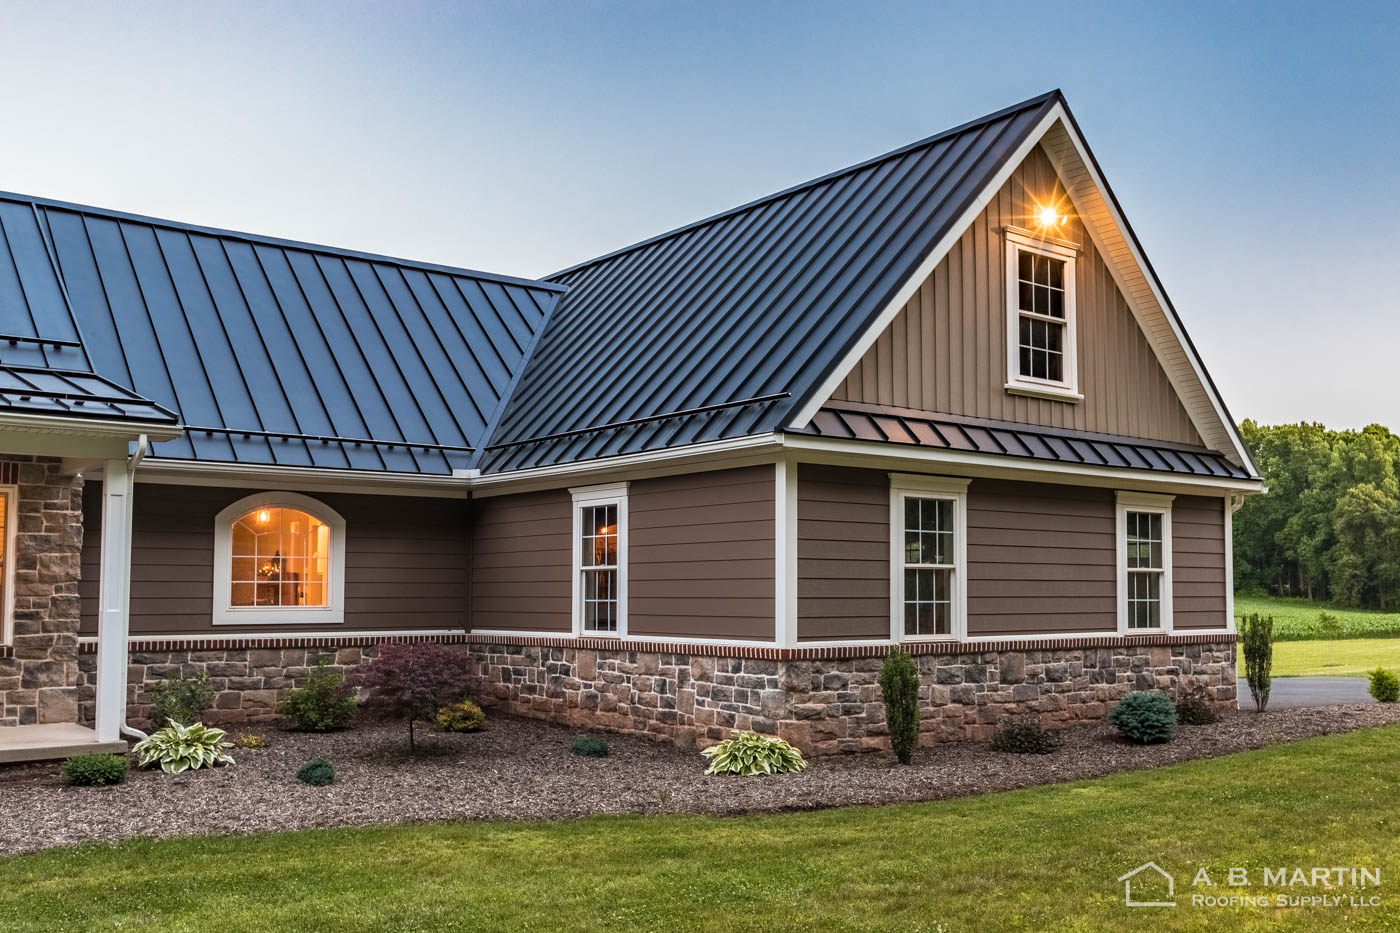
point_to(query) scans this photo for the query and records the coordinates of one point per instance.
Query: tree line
(1329, 526)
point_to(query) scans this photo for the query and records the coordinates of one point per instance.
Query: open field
(1043, 858)
(1300, 619)
(1352, 657)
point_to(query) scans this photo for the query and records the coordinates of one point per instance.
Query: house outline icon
(1127, 880)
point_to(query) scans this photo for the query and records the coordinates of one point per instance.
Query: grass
(1037, 859)
(1298, 619)
(1354, 657)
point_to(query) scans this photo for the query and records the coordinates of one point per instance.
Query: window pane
(1057, 274)
(1144, 600)
(270, 565)
(1144, 540)
(600, 600)
(1023, 267)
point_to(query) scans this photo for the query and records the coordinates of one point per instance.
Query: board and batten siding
(843, 553)
(522, 551)
(946, 349)
(1199, 575)
(1041, 558)
(700, 560)
(406, 561)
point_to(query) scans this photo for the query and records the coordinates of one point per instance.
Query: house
(937, 399)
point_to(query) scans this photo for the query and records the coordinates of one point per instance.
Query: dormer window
(1041, 358)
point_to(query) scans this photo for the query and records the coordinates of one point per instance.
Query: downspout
(143, 446)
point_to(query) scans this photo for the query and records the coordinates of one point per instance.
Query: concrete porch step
(52, 741)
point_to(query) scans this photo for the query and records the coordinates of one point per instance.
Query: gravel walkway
(522, 769)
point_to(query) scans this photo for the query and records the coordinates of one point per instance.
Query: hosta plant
(178, 748)
(750, 753)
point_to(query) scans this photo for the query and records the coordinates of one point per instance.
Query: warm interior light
(1048, 217)
(264, 516)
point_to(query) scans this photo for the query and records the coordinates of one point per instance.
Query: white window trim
(1068, 388)
(584, 496)
(7, 609)
(1143, 502)
(225, 613)
(903, 486)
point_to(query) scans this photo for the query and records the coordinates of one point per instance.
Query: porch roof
(57, 392)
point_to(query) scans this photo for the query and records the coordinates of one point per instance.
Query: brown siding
(521, 551)
(1198, 563)
(843, 553)
(406, 560)
(946, 350)
(700, 560)
(1040, 559)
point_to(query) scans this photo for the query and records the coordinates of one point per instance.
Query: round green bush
(1145, 718)
(317, 772)
(590, 746)
(94, 770)
(1385, 686)
(465, 716)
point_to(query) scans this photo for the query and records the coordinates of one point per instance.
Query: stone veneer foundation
(824, 701)
(39, 668)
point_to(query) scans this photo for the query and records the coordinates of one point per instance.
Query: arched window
(279, 559)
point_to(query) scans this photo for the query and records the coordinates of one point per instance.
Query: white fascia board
(881, 455)
(311, 479)
(911, 285)
(88, 427)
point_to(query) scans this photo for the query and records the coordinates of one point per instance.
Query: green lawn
(1298, 619)
(1352, 657)
(1039, 859)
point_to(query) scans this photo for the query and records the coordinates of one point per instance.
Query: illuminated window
(1040, 317)
(1144, 563)
(279, 559)
(600, 560)
(928, 530)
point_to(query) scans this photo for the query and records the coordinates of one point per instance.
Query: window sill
(277, 617)
(1052, 393)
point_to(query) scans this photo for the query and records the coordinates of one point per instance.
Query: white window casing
(952, 490)
(584, 499)
(1143, 504)
(226, 613)
(1065, 389)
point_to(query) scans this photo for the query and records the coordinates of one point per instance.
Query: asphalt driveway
(1292, 692)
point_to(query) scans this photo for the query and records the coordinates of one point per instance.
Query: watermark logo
(1147, 886)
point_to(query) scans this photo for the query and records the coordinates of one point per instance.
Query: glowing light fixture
(264, 517)
(1048, 217)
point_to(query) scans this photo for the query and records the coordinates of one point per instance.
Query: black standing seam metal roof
(759, 300)
(889, 425)
(278, 352)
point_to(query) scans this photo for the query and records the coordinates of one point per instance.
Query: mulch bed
(523, 769)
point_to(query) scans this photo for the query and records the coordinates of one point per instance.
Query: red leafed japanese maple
(414, 681)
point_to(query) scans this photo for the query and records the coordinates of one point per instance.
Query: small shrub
(899, 685)
(94, 770)
(1145, 718)
(465, 716)
(180, 698)
(414, 681)
(178, 748)
(323, 705)
(749, 753)
(317, 772)
(1257, 644)
(590, 746)
(1196, 711)
(250, 740)
(1385, 686)
(1328, 625)
(1025, 738)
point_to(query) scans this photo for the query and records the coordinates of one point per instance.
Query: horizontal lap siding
(1198, 563)
(406, 561)
(843, 553)
(1040, 559)
(700, 559)
(521, 547)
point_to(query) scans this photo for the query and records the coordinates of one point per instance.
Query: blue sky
(1254, 146)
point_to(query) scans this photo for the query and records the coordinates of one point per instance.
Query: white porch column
(113, 622)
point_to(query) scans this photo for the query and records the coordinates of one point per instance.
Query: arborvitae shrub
(1257, 644)
(1385, 686)
(899, 685)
